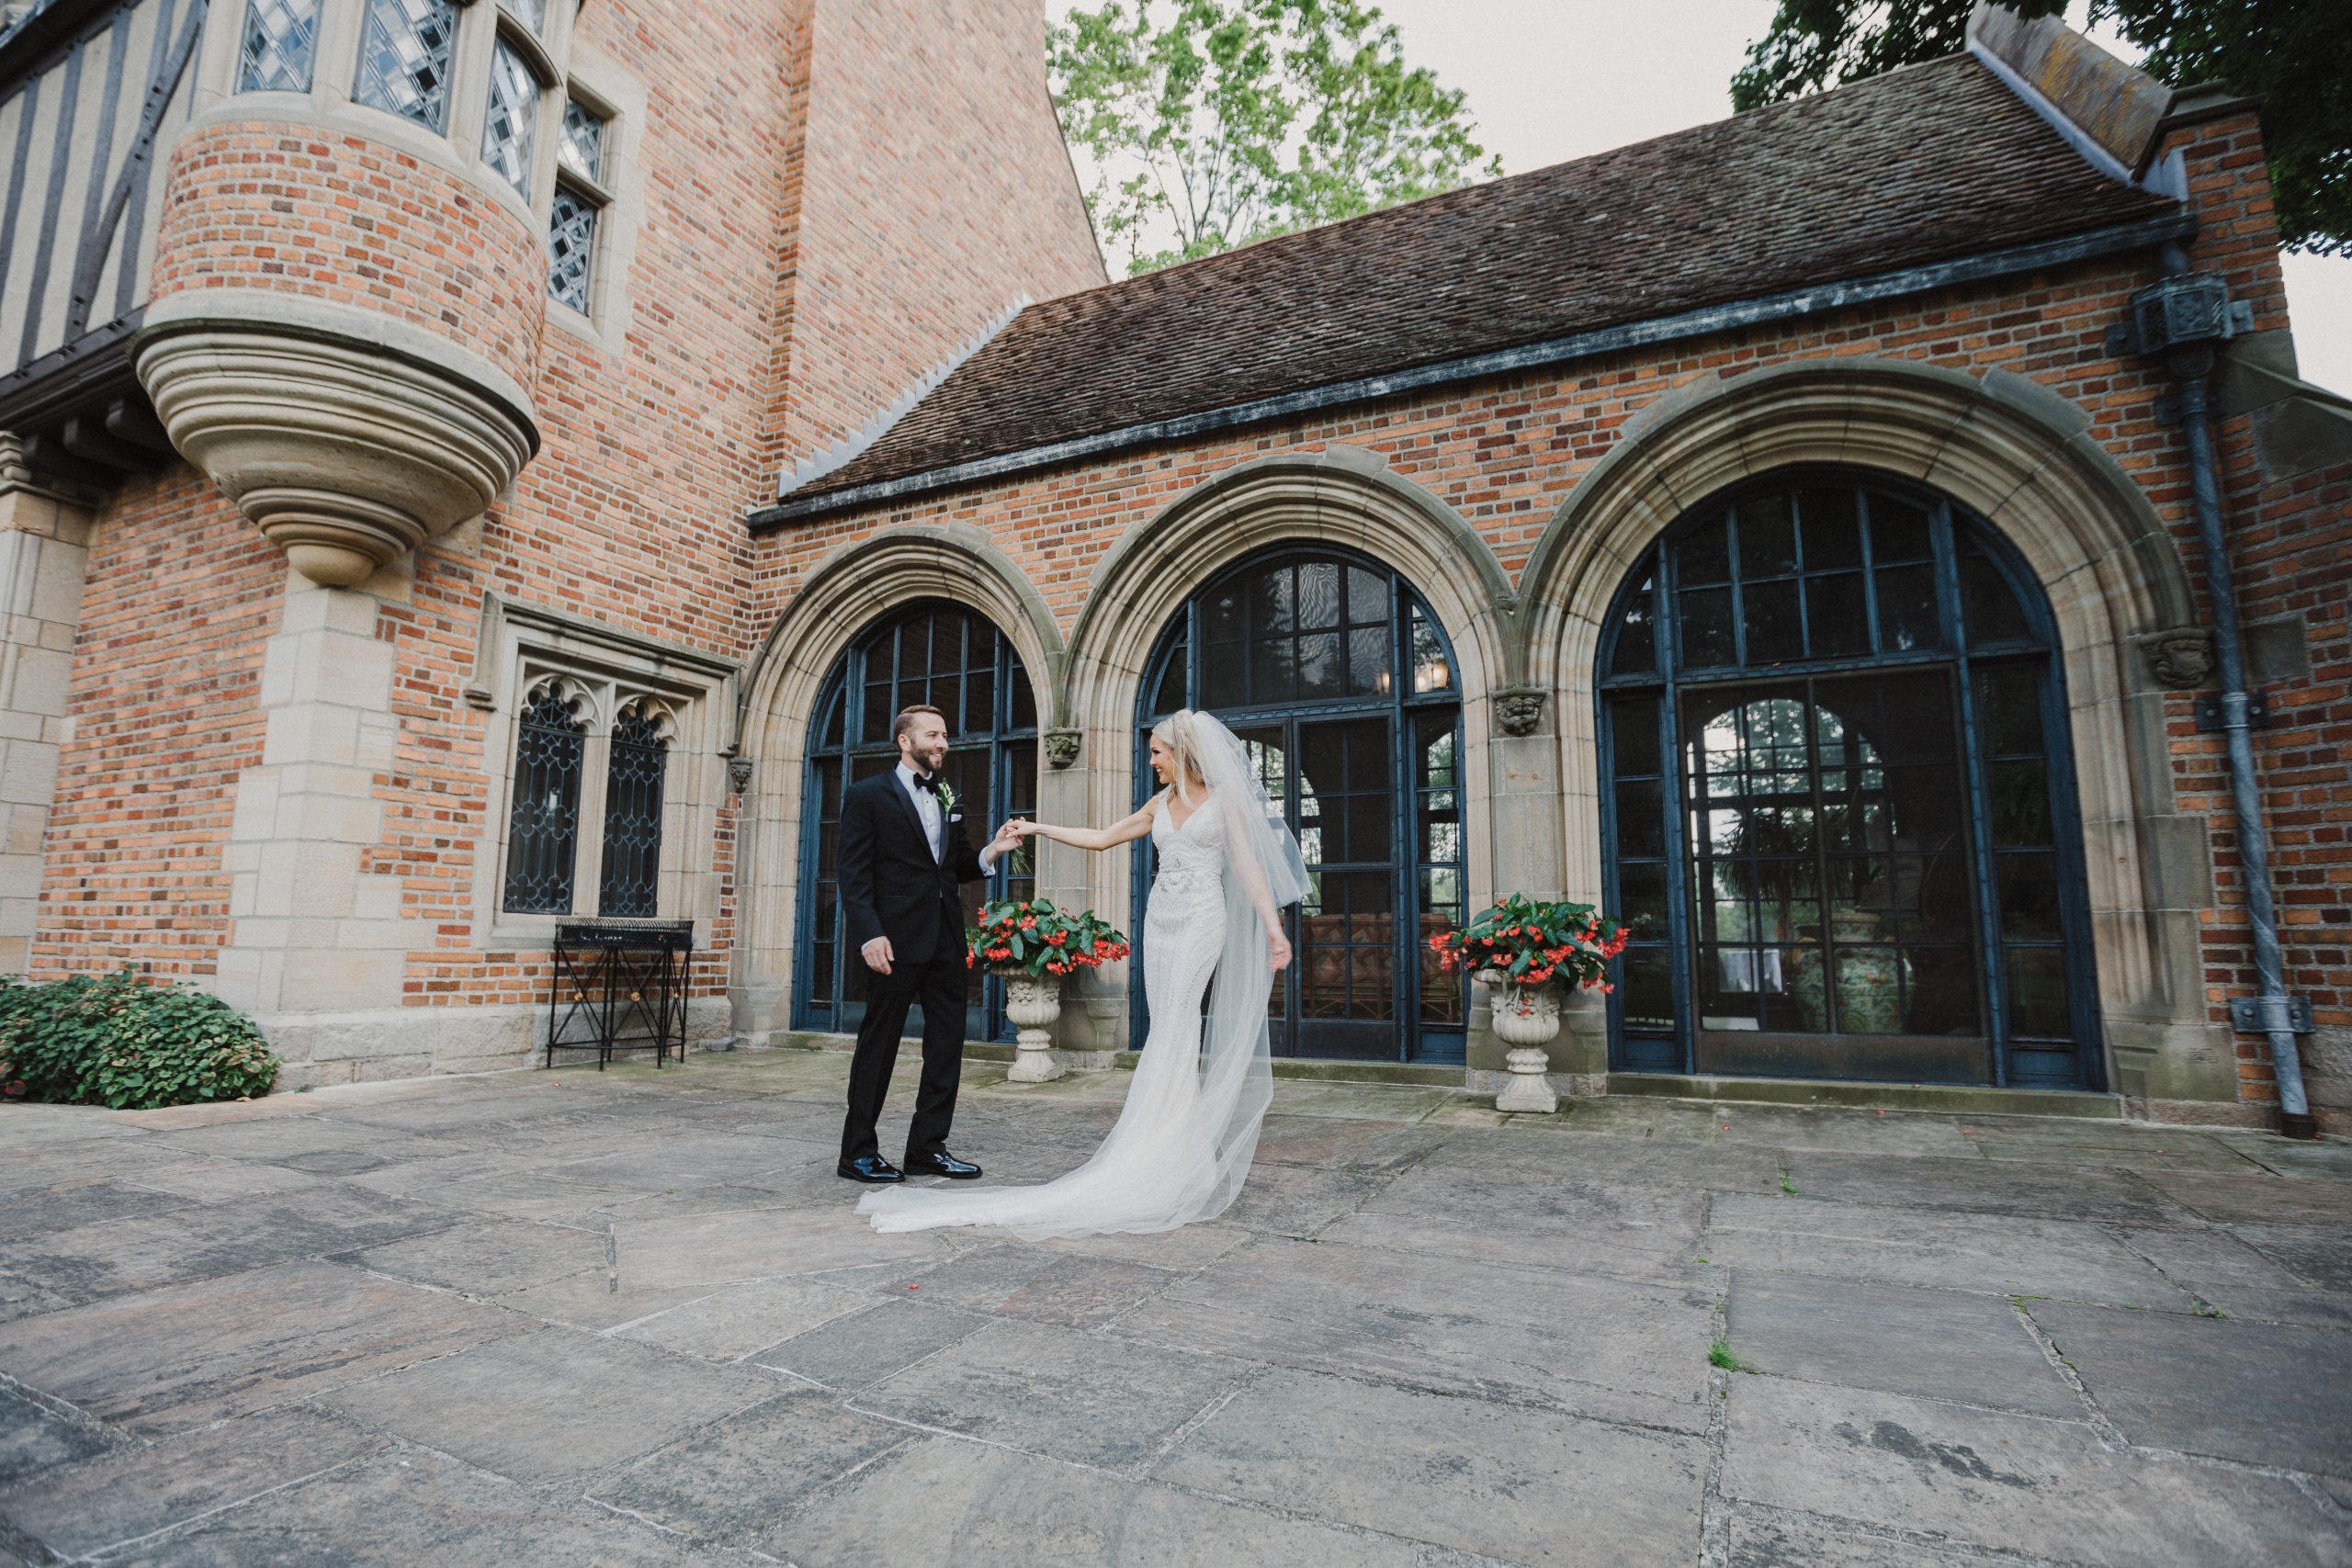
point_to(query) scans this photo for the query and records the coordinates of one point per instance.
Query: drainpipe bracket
(2212, 715)
(2271, 1015)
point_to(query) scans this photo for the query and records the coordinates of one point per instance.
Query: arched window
(955, 661)
(1838, 804)
(1334, 672)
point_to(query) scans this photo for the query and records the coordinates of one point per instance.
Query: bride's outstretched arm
(1125, 830)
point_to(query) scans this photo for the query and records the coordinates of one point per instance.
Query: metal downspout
(2193, 365)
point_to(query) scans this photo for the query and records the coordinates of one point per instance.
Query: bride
(1183, 1144)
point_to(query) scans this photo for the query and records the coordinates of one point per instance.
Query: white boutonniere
(947, 798)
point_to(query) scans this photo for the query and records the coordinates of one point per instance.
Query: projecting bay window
(580, 200)
(278, 47)
(586, 816)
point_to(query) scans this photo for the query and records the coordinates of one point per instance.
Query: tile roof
(1918, 166)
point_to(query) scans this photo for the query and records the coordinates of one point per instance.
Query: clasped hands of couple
(878, 954)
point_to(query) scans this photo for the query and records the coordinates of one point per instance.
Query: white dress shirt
(927, 807)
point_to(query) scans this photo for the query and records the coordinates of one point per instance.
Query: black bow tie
(927, 780)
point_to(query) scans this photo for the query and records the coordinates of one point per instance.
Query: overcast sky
(1550, 80)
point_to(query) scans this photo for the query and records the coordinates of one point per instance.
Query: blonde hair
(1175, 732)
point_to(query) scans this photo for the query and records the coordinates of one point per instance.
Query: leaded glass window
(572, 248)
(580, 145)
(955, 659)
(514, 113)
(404, 58)
(543, 827)
(532, 14)
(640, 755)
(1335, 674)
(1836, 814)
(279, 41)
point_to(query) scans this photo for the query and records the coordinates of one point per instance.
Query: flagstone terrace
(629, 1318)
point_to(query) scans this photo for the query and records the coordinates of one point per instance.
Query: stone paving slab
(551, 1405)
(412, 1505)
(1940, 1249)
(946, 1502)
(1521, 1485)
(630, 1318)
(1936, 1344)
(133, 1493)
(2019, 1484)
(1093, 1400)
(169, 1360)
(2263, 1392)
(1596, 1346)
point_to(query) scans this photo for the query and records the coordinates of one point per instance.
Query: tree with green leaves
(1211, 123)
(2296, 55)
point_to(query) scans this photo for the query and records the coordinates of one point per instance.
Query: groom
(904, 851)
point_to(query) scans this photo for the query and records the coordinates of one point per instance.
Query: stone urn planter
(1526, 1019)
(1033, 1006)
(1033, 945)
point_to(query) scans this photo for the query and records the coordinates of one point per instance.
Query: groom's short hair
(907, 720)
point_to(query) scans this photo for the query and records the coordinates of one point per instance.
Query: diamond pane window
(513, 109)
(633, 815)
(280, 38)
(580, 145)
(532, 14)
(572, 248)
(404, 58)
(543, 829)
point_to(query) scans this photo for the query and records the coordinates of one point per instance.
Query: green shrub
(121, 1043)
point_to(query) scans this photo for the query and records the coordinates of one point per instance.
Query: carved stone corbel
(739, 775)
(343, 450)
(1519, 710)
(1061, 747)
(2181, 658)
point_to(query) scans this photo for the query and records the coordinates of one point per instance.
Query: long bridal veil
(1182, 1148)
(1263, 868)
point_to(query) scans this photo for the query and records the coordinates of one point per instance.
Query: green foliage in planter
(1030, 939)
(121, 1043)
(1521, 941)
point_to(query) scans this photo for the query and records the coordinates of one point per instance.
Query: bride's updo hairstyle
(1175, 732)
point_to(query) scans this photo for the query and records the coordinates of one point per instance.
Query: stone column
(44, 546)
(314, 932)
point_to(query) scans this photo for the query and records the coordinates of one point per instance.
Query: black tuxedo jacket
(890, 884)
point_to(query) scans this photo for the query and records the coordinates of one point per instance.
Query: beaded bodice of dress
(1191, 877)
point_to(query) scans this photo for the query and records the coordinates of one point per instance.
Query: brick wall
(931, 190)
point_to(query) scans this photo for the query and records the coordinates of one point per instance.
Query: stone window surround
(558, 66)
(522, 644)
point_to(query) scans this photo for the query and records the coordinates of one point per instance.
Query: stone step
(1973, 1098)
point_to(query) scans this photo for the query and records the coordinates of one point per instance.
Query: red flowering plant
(1029, 939)
(1522, 942)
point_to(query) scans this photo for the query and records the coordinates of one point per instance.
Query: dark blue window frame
(898, 659)
(1416, 640)
(1987, 620)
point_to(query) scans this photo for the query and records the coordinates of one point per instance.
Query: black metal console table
(619, 986)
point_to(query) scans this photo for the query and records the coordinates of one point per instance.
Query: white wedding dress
(1181, 1146)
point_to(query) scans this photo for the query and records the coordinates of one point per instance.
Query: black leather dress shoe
(870, 1167)
(941, 1164)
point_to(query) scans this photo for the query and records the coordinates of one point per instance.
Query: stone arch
(1340, 496)
(2021, 456)
(841, 595)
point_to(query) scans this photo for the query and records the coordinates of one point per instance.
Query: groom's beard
(930, 762)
